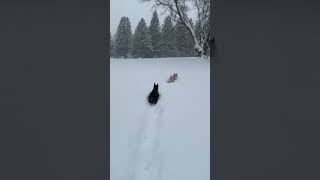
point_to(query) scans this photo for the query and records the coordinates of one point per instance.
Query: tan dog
(173, 78)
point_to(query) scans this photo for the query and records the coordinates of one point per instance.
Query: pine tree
(182, 40)
(168, 38)
(141, 43)
(111, 46)
(155, 34)
(123, 38)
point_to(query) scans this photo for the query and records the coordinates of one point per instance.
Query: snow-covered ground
(171, 140)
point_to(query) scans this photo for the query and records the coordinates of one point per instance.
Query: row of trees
(172, 39)
(179, 11)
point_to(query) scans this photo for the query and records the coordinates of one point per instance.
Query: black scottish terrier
(154, 95)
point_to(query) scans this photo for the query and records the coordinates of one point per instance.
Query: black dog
(154, 95)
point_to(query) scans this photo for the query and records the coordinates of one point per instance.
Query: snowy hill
(168, 141)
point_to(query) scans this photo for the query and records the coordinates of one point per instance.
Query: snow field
(168, 141)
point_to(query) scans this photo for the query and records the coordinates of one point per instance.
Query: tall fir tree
(141, 43)
(168, 38)
(155, 35)
(123, 38)
(182, 41)
(112, 54)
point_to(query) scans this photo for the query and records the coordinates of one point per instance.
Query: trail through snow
(159, 142)
(145, 159)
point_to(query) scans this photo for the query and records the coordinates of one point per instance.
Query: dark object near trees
(154, 95)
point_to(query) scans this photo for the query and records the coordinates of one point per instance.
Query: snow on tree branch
(179, 9)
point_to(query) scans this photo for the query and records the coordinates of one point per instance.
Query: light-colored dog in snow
(173, 78)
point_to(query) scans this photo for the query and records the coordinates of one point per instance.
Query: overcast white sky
(133, 9)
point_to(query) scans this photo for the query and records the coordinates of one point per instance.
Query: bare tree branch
(179, 9)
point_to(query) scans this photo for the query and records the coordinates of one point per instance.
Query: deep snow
(168, 141)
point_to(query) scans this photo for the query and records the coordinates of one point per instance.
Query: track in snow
(145, 159)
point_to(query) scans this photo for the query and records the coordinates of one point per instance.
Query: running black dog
(154, 95)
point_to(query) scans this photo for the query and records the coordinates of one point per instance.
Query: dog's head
(155, 86)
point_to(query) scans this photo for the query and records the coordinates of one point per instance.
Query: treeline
(169, 40)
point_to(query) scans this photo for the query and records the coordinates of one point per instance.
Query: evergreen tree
(123, 38)
(168, 38)
(111, 46)
(141, 43)
(184, 44)
(155, 34)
